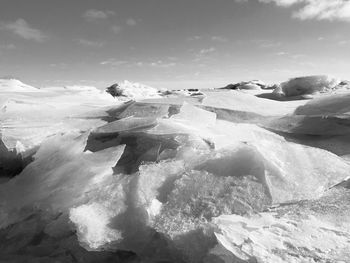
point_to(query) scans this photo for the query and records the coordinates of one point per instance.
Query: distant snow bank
(15, 85)
(133, 90)
(310, 85)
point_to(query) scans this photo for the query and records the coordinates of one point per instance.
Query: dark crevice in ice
(12, 163)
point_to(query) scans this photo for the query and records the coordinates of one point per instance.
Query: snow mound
(133, 91)
(247, 85)
(307, 86)
(14, 85)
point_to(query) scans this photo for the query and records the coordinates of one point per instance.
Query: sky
(172, 43)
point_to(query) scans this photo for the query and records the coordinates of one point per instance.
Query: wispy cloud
(344, 42)
(22, 29)
(164, 64)
(205, 51)
(266, 43)
(317, 9)
(131, 22)
(281, 53)
(114, 62)
(116, 29)
(7, 46)
(219, 39)
(96, 15)
(89, 43)
(194, 38)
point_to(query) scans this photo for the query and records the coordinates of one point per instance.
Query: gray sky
(172, 44)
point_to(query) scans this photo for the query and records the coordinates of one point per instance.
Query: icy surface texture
(309, 231)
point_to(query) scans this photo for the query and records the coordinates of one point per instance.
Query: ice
(245, 102)
(247, 85)
(28, 118)
(15, 85)
(312, 231)
(328, 115)
(338, 104)
(134, 91)
(234, 177)
(60, 177)
(308, 85)
(92, 224)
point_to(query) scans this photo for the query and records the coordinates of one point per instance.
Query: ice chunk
(142, 110)
(303, 232)
(308, 85)
(245, 102)
(338, 104)
(61, 176)
(296, 172)
(196, 116)
(309, 125)
(135, 91)
(127, 124)
(329, 115)
(92, 224)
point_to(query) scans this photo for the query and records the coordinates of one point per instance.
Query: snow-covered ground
(222, 176)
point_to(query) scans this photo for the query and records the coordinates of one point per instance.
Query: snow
(308, 85)
(233, 177)
(133, 90)
(14, 85)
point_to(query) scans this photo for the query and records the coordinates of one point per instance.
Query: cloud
(114, 62)
(95, 15)
(89, 43)
(332, 10)
(116, 29)
(131, 22)
(194, 38)
(22, 29)
(219, 39)
(205, 51)
(7, 46)
(162, 64)
(281, 53)
(266, 43)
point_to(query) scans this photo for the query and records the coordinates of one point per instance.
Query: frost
(92, 225)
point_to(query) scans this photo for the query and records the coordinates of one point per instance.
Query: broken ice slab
(327, 106)
(306, 231)
(309, 125)
(245, 102)
(59, 178)
(126, 124)
(143, 110)
(329, 115)
(194, 116)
